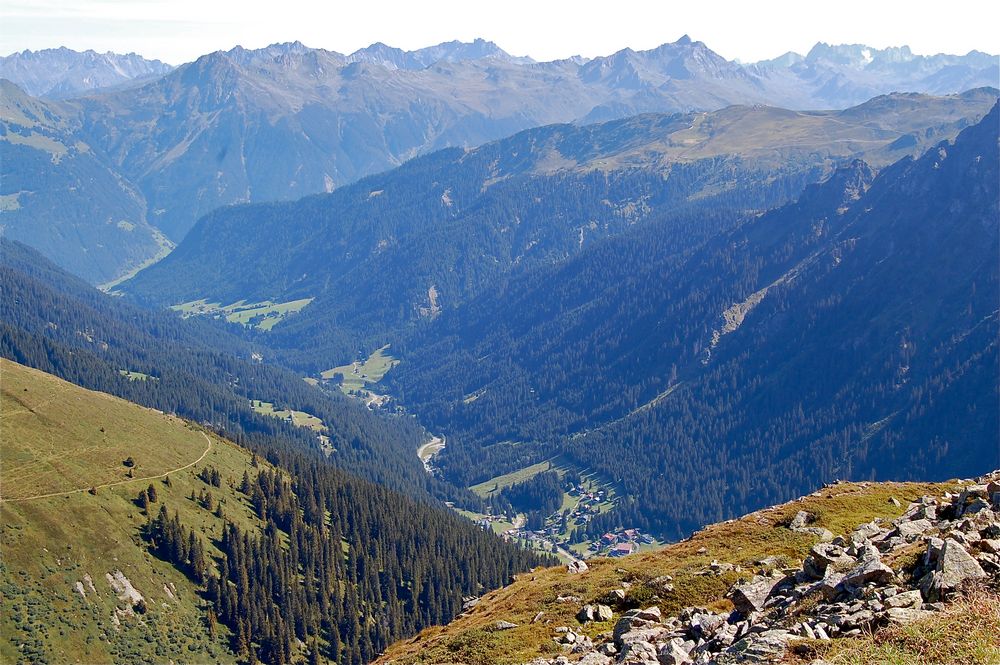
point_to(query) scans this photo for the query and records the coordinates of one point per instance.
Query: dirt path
(118, 482)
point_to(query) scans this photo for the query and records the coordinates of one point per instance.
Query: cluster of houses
(619, 543)
(588, 505)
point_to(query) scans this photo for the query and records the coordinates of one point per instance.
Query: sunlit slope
(74, 563)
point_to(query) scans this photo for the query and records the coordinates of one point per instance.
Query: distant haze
(178, 31)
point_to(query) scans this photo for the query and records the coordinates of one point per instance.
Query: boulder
(907, 599)
(905, 615)
(870, 570)
(595, 658)
(672, 653)
(504, 625)
(576, 567)
(763, 648)
(801, 519)
(638, 653)
(751, 597)
(913, 529)
(825, 555)
(956, 565)
(603, 613)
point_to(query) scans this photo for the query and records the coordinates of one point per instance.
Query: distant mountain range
(285, 121)
(614, 295)
(59, 73)
(534, 198)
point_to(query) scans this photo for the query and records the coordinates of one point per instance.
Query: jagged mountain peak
(62, 72)
(392, 57)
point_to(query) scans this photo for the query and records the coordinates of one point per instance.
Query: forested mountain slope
(396, 249)
(286, 121)
(132, 536)
(852, 333)
(194, 368)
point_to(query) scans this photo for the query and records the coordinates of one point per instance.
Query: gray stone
(956, 565)
(870, 570)
(905, 615)
(638, 653)
(907, 599)
(672, 653)
(650, 614)
(576, 567)
(751, 597)
(910, 531)
(755, 649)
(504, 625)
(595, 658)
(801, 519)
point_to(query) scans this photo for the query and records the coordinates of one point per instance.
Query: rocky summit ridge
(883, 573)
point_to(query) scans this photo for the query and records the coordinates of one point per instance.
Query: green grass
(498, 526)
(495, 485)
(263, 315)
(590, 481)
(39, 142)
(134, 376)
(42, 415)
(360, 374)
(50, 544)
(299, 418)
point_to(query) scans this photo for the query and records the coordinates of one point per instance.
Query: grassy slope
(839, 508)
(50, 544)
(358, 375)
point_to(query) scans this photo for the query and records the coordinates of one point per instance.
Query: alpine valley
(452, 356)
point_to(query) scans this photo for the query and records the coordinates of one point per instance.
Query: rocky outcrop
(846, 586)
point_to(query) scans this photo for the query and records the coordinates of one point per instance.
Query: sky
(178, 31)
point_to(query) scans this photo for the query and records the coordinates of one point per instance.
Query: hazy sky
(178, 31)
